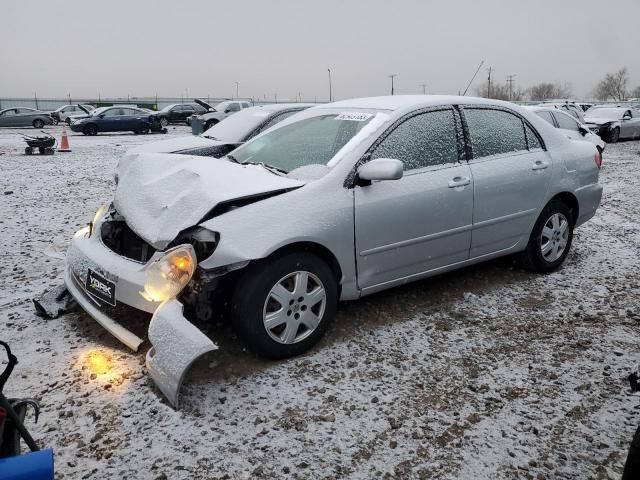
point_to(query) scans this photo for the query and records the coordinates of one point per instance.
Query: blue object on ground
(30, 466)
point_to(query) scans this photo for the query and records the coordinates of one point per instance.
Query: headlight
(99, 214)
(167, 276)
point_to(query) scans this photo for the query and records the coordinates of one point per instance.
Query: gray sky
(145, 47)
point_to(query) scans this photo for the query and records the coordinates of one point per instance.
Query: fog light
(167, 276)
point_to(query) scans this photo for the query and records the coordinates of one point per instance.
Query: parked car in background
(24, 117)
(572, 109)
(61, 114)
(221, 111)
(337, 202)
(569, 125)
(179, 113)
(117, 119)
(613, 124)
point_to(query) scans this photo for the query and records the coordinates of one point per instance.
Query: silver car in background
(24, 117)
(336, 202)
(571, 127)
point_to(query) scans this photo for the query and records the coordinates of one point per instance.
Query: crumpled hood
(599, 121)
(173, 145)
(160, 195)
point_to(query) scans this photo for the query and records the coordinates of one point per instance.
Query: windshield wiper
(233, 159)
(209, 136)
(266, 166)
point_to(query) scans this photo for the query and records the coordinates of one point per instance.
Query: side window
(424, 140)
(245, 105)
(234, 107)
(494, 132)
(532, 139)
(565, 122)
(546, 116)
(113, 112)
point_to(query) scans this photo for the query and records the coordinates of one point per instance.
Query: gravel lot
(489, 372)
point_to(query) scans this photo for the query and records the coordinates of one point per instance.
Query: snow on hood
(599, 120)
(160, 195)
(173, 145)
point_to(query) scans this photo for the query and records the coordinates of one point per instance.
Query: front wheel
(37, 123)
(550, 239)
(282, 306)
(614, 136)
(210, 124)
(164, 121)
(90, 129)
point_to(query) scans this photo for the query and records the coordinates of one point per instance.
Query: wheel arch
(571, 201)
(316, 248)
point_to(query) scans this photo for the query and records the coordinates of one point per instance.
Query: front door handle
(459, 182)
(540, 165)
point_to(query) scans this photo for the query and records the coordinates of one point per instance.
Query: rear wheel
(28, 151)
(38, 123)
(143, 129)
(164, 121)
(283, 305)
(614, 135)
(90, 129)
(550, 239)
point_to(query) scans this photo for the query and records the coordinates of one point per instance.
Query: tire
(210, 124)
(90, 129)
(28, 151)
(614, 136)
(67, 121)
(37, 123)
(41, 150)
(49, 151)
(558, 239)
(143, 129)
(164, 121)
(254, 297)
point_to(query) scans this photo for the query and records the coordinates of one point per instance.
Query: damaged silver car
(336, 202)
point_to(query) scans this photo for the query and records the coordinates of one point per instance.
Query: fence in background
(154, 103)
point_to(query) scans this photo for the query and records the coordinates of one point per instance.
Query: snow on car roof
(274, 107)
(400, 102)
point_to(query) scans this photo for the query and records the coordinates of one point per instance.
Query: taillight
(598, 159)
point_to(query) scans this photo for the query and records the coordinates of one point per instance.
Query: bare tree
(500, 92)
(613, 86)
(636, 92)
(549, 91)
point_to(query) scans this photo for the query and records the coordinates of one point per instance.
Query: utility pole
(35, 96)
(489, 84)
(392, 76)
(69, 97)
(237, 89)
(424, 88)
(330, 95)
(510, 82)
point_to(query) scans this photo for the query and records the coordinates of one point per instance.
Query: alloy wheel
(294, 307)
(554, 238)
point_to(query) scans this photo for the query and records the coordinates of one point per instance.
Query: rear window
(565, 122)
(494, 132)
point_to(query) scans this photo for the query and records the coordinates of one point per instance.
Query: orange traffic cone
(64, 141)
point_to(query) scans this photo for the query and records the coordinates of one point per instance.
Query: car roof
(405, 102)
(276, 107)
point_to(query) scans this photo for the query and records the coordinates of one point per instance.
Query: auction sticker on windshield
(100, 287)
(354, 117)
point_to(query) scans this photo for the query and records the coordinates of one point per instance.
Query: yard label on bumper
(100, 287)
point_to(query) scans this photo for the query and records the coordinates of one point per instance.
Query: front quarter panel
(320, 212)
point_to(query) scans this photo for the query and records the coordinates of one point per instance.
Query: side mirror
(101, 115)
(227, 111)
(626, 117)
(381, 169)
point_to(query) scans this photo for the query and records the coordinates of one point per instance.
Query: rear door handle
(459, 182)
(540, 165)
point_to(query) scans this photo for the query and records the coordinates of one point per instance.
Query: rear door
(630, 127)
(422, 221)
(511, 173)
(110, 120)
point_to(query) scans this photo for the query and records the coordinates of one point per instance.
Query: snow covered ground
(490, 372)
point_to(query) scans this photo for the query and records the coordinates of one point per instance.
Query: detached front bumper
(176, 342)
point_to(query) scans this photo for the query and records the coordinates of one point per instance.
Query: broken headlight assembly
(203, 241)
(169, 274)
(98, 216)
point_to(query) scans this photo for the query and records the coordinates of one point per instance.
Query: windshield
(236, 127)
(98, 111)
(312, 141)
(167, 108)
(606, 113)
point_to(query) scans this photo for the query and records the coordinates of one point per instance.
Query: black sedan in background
(179, 113)
(118, 119)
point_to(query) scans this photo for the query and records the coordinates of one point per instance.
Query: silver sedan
(336, 202)
(24, 117)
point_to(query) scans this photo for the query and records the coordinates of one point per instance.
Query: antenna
(473, 78)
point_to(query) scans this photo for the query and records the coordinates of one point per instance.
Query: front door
(511, 172)
(422, 221)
